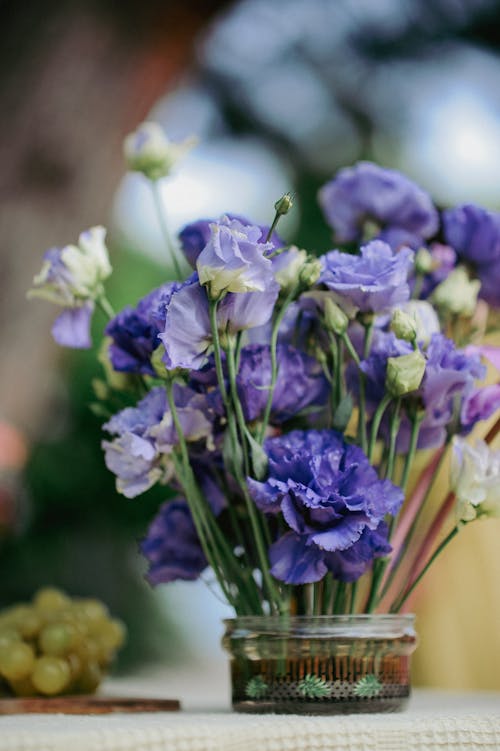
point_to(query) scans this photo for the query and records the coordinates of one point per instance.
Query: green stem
(416, 422)
(402, 599)
(106, 307)
(155, 188)
(274, 367)
(394, 424)
(377, 419)
(354, 592)
(339, 604)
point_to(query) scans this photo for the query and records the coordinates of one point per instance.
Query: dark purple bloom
(135, 331)
(196, 235)
(172, 546)
(374, 281)
(326, 490)
(475, 234)
(367, 192)
(234, 259)
(187, 336)
(300, 382)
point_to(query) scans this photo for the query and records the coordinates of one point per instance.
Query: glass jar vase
(320, 664)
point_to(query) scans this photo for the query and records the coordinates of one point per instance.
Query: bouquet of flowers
(284, 396)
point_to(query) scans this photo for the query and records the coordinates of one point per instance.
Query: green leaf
(343, 413)
(256, 688)
(313, 687)
(367, 687)
(258, 457)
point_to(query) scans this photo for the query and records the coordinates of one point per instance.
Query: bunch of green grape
(56, 645)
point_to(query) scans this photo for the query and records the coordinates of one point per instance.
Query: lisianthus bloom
(327, 492)
(172, 546)
(187, 335)
(193, 237)
(384, 197)
(73, 277)
(145, 435)
(475, 235)
(372, 282)
(479, 404)
(295, 562)
(135, 331)
(234, 259)
(475, 479)
(457, 294)
(148, 150)
(300, 382)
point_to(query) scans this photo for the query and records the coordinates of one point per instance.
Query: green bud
(335, 318)
(405, 373)
(310, 273)
(424, 262)
(284, 204)
(404, 325)
(457, 295)
(157, 361)
(100, 388)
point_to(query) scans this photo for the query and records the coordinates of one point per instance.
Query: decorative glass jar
(320, 664)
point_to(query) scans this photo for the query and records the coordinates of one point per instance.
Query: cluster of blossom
(272, 375)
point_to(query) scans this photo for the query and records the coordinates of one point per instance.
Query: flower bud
(404, 373)
(148, 150)
(404, 325)
(425, 319)
(457, 295)
(310, 273)
(335, 318)
(284, 204)
(424, 262)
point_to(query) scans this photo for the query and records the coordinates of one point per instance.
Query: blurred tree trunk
(75, 78)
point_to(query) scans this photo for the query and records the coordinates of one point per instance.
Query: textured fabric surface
(434, 721)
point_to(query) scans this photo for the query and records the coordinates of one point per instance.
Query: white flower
(73, 275)
(425, 318)
(457, 295)
(475, 479)
(148, 150)
(287, 267)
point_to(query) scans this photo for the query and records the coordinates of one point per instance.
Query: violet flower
(385, 197)
(475, 235)
(372, 282)
(172, 546)
(325, 489)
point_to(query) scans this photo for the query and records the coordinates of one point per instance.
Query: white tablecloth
(434, 721)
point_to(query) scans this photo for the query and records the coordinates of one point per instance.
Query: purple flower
(479, 404)
(72, 327)
(145, 436)
(326, 490)
(367, 192)
(444, 260)
(475, 234)
(172, 546)
(135, 331)
(295, 562)
(187, 336)
(196, 235)
(375, 281)
(234, 259)
(300, 382)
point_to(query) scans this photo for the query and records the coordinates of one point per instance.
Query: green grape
(16, 661)
(23, 687)
(8, 635)
(50, 598)
(29, 624)
(75, 665)
(51, 675)
(57, 639)
(112, 634)
(92, 612)
(89, 679)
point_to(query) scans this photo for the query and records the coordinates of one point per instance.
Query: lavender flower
(234, 259)
(195, 236)
(172, 546)
(367, 192)
(73, 277)
(300, 382)
(375, 281)
(135, 331)
(326, 490)
(187, 336)
(475, 235)
(479, 404)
